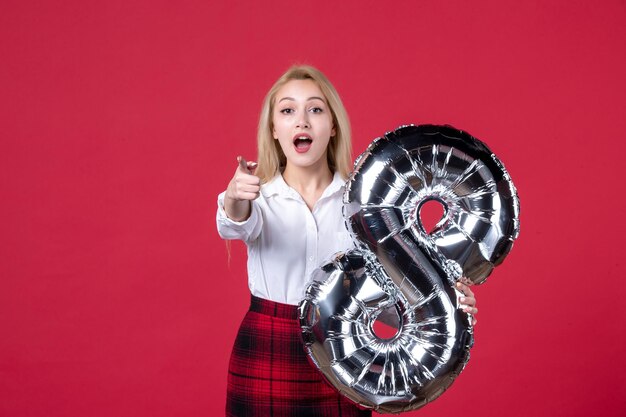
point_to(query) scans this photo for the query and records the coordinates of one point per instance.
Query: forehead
(300, 90)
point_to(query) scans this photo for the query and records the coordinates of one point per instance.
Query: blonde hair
(271, 158)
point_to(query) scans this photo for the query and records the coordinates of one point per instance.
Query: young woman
(287, 209)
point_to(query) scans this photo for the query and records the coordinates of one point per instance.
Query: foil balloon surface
(403, 274)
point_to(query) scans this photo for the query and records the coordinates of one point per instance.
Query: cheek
(331, 126)
(279, 127)
(282, 144)
(275, 128)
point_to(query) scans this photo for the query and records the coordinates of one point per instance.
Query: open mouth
(302, 143)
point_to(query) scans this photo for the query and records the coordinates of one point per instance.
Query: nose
(303, 121)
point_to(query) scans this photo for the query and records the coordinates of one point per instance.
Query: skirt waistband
(274, 309)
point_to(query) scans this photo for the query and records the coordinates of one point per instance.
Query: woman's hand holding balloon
(468, 300)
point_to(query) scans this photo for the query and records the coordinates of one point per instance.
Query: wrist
(237, 210)
(229, 196)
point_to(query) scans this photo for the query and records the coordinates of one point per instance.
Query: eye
(286, 111)
(316, 110)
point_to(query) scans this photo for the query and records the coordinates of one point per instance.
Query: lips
(302, 142)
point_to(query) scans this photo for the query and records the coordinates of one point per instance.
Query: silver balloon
(403, 275)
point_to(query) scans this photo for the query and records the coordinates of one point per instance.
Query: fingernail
(462, 299)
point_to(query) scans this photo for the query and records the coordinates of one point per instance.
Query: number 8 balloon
(401, 274)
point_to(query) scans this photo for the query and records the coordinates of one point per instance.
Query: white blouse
(286, 241)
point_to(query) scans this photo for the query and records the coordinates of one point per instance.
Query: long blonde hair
(271, 158)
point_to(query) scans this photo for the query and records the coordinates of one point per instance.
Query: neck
(310, 182)
(308, 179)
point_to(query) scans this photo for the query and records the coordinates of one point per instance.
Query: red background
(120, 122)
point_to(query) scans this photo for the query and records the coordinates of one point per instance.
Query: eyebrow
(308, 99)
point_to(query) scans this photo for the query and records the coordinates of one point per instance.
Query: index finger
(243, 165)
(464, 288)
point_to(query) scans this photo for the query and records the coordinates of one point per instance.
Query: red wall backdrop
(120, 122)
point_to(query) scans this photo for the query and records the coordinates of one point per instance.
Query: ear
(333, 132)
(274, 134)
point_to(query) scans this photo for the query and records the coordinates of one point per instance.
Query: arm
(237, 217)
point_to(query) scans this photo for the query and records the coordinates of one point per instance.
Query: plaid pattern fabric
(269, 373)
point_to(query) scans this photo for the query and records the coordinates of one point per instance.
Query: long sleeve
(246, 230)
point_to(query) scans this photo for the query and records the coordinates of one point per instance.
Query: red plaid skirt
(269, 373)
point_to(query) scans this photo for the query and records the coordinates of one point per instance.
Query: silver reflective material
(403, 275)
